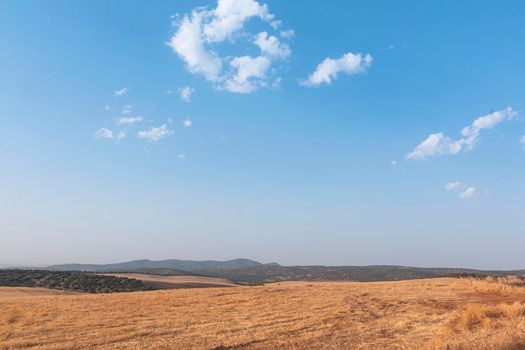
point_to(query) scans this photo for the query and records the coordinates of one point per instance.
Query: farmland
(417, 314)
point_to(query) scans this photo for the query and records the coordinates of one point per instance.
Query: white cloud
(185, 93)
(393, 162)
(287, 34)
(271, 46)
(470, 192)
(249, 74)
(121, 92)
(522, 141)
(107, 108)
(155, 134)
(229, 17)
(104, 133)
(489, 121)
(328, 70)
(452, 185)
(199, 31)
(438, 144)
(128, 120)
(276, 24)
(187, 122)
(435, 145)
(188, 43)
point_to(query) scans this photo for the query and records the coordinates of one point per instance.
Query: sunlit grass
(420, 314)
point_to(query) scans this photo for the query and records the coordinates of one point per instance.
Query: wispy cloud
(121, 92)
(155, 133)
(126, 109)
(469, 193)
(182, 156)
(128, 120)
(187, 122)
(185, 93)
(438, 144)
(287, 34)
(522, 141)
(452, 185)
(328, 70)
(199, 31)
(104, 133)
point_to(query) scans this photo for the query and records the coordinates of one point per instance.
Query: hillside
(275, 273)
(69, 280)
(176, 281)
(252, 272)
(184, 265)
(417, 314)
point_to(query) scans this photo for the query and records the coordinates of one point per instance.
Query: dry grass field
(10, 292)
(419, 314)
(176, 282)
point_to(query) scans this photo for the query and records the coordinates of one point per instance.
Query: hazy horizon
(326, 133)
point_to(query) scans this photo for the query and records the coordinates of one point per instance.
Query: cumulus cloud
(185, 93)
(188, 43)
(438, 144)
(328, 70)
(470, 192)
(229, 17)
(198, 32)
(155, 134)
(249, 74)
(187, 122)
(121, 92)
(452, 185)
(271, 46)
(104, 133)
(128, 120)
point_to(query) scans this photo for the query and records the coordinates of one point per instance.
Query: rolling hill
(184, 265)
(246, 271)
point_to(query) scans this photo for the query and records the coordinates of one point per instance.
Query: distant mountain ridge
(246, 271)
(184, 265)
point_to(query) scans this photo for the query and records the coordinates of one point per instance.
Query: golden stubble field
(420, 314)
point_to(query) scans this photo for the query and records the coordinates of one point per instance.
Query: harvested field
(9, 292)
(419, 314)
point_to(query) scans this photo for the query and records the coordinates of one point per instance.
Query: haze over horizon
(331, 133)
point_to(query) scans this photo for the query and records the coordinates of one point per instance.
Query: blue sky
(302, 133)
